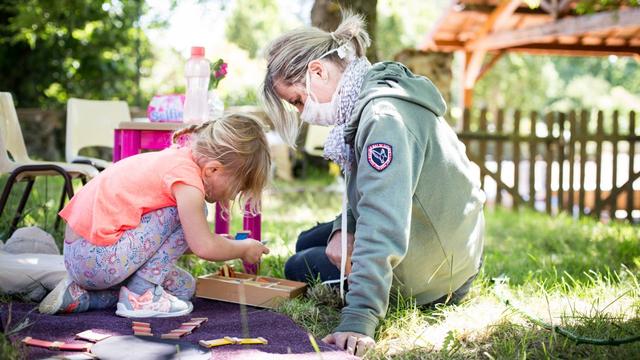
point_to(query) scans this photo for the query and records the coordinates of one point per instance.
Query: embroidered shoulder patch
(379, 155)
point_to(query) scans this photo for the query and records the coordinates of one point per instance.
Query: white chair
(315, 139)
(21, 167)
(91, 123)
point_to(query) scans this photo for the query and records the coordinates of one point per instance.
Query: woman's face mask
(317, 113)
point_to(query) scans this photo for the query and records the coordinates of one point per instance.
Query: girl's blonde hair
(239, 143)
(288, 57)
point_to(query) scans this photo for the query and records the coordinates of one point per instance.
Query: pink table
(130, 138)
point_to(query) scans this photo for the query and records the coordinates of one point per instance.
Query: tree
(326, 15)
(52, 50)
(254, 23)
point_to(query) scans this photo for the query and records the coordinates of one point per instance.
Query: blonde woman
(413, 220)
(128, 226)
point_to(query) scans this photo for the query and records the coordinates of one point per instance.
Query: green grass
(580, 275)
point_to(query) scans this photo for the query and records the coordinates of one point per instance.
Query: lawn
(542, 277)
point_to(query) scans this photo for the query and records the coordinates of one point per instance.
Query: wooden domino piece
(92, 336)
(172, 336)
(253, 341)
(141, 328)
(217, 342)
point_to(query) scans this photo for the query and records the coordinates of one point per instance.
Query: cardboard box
(248, 289)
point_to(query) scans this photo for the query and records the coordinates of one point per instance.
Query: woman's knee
(294, 268)
(316, 236)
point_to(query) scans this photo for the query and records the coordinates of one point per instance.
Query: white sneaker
(154, 302)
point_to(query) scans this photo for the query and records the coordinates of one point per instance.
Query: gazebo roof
(481, 27)
(552, 28)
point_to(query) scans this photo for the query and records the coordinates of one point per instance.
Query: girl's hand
(253, 251)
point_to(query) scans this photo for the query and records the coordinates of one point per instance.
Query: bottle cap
(197, 51)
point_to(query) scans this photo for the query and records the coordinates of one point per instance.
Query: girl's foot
(153, 303)
(66, 297)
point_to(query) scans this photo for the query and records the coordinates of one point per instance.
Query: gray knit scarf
(335, 148)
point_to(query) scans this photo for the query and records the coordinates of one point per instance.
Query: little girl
(128, 226)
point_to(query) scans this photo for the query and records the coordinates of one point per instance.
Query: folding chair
(315, 139)
(314, 144)
(21, 168)
(91, 123)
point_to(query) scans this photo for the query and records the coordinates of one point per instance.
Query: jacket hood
(392, 79)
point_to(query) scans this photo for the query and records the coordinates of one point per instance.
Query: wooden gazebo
(494, 27)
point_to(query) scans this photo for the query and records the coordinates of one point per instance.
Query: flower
(219, 71)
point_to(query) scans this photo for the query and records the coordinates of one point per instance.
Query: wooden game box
(260, 291)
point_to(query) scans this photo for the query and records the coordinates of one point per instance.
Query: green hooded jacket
(415, 203)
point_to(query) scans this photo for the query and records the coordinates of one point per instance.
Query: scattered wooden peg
(253, 341)
(216, 342)
(141, 328)
(92, 336)
(227, 340)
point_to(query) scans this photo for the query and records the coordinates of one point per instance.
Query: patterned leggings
(149, 251)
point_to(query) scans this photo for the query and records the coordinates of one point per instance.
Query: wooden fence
(580, 162)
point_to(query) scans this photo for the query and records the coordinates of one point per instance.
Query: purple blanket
(225, 319)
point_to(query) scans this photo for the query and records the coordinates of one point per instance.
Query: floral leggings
(149, 251)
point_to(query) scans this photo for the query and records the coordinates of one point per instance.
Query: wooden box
(260, 291)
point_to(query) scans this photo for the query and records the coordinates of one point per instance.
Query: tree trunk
(325, 15)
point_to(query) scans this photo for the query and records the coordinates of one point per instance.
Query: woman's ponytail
(352, 29)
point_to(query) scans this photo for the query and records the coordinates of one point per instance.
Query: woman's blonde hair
(288, 57)
(239, 143)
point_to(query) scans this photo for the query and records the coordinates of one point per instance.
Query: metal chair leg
(67, 190)
(21, 205)
(6, 192)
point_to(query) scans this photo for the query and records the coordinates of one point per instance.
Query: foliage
(591, 6)
(254, 23)
(79, 48)
(404, 24)
(560, 83)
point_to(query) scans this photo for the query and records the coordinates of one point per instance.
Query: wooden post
(532, 159)
(561, 155)
(499, 151)
(516, 158)
(613, 205)
(549, 162)
(482, 148)
(572, 159)
(584, 116)
(632, 153)
(466, 126)
(598, 192)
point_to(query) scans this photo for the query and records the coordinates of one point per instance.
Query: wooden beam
(497, 18)
(497, 56)
(572, 26)
(575, 49)
(488, 9)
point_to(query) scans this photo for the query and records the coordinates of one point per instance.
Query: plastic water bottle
(197, 71)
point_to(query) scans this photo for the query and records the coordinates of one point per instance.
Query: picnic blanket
(286, 339)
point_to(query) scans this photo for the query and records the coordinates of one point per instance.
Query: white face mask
(316, 113)
(325, 114)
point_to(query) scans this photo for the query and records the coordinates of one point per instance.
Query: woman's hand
(253, 250)
(334, 248)
(354, 343)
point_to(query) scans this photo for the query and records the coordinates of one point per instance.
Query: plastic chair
(313, 145)
(21, 168)
(91, 123)
(315, 139)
